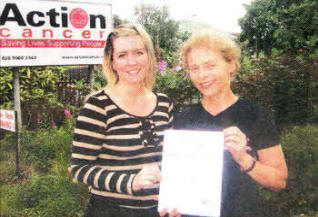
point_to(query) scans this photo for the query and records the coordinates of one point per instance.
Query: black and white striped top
(110, 147)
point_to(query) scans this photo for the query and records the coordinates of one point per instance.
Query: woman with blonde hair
(118, 135)
(253, 154)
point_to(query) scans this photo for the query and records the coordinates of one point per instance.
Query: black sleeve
(266, 134)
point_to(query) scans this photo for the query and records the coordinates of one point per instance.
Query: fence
(68, 91)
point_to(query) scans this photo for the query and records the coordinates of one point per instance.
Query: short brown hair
(216, 41)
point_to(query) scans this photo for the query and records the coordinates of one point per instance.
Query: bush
(46, 190)
(47, 147)
(36, 83)
(300, 146)
(37, 148)
(41, 150)
(43, 196)
(8, 195)
(178, 87)
(62, 138)
(287, 85)
(45, 91)
(7, 157)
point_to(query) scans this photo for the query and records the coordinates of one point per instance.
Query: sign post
(17, 144)
(16, 95)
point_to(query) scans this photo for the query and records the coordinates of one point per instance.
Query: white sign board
(7, 120)
(36, 32)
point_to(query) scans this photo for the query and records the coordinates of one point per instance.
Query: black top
(239, 193)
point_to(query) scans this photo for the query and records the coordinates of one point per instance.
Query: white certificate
(192, 172)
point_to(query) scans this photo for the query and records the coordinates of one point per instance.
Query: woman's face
(130, 60)
(209, 71)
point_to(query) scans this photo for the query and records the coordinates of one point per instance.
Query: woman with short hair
(253, 154)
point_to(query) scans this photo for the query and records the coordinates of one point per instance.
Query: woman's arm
(270, 170)
(89, 135)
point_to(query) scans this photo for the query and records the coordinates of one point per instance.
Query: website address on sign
(81, 57)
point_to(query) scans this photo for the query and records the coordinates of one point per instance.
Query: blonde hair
(213, 40)
(122, 31)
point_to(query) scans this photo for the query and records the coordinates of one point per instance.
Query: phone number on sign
(18, 58)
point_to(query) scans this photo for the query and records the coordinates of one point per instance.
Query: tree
(280, 26)
(162, 29)
(117, 21)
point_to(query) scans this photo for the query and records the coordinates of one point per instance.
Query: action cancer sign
(34, 32)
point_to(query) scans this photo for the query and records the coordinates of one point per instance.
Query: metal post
(18, 118)
(16, 93)
(17, 145)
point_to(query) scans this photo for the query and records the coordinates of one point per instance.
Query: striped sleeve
(171, 112)
(89, 135)
(170, 108)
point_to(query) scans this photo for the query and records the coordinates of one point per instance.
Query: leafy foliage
(44, 93)
(44, 188)
(99, 79)
(43, 196)
(45, 148)
(37, 84)
(178, 87)
(281, 26)
(286, 85)
(300, 146)
(117, 21)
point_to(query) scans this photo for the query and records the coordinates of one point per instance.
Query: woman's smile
(206, 84)
(133, 72)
